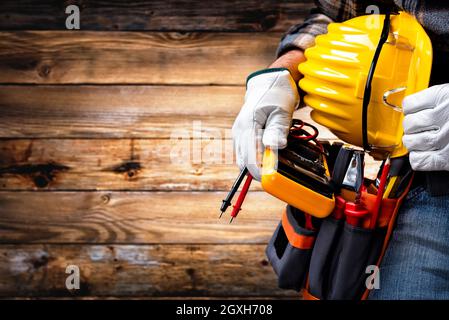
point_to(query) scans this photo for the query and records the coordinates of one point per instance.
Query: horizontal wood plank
(117, 111)
(145, 270)
(117, 164)
(58, 57)
(134, 217)
(87, 111)
(156, 15)
(120, 164)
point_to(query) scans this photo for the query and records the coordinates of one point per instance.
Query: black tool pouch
(323, 255)
(290, 248)
(343, 253)
(357, 249)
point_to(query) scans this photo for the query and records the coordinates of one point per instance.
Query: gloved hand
(426, 128)
(271, 97)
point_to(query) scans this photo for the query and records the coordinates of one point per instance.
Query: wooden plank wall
(115, 147)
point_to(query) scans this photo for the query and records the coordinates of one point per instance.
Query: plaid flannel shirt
(432, 14)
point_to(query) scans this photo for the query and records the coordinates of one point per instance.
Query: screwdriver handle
(355, 213)
(380, 192)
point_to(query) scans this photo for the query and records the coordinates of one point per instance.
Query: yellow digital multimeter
(299, 175)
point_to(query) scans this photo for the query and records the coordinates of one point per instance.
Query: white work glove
(270, 99)
(426, 128)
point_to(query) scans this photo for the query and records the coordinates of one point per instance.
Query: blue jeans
(416, 263)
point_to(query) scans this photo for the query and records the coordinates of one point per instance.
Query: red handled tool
(355, 213)
(380, 193)
(339, 209)
(308, 224)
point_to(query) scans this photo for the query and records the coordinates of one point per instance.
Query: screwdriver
(241, 198)
(227, 201)
(380, 193)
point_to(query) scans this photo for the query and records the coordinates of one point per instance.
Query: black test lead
(227, 201)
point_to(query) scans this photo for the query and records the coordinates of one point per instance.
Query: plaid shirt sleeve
(432, 14)
(302, 36)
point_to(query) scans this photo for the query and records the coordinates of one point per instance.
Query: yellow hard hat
(337, 69)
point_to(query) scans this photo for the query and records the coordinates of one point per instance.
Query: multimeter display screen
(304, 164)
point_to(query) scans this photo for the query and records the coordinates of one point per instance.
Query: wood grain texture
(86, 111)
(117, 164)
(120, 164)
(115, 148)
(57, 57)
(117, 111)
(134, 217)
(156, 15)
(145, 270)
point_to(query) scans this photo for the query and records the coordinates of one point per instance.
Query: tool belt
(337, 224)
(332, 257)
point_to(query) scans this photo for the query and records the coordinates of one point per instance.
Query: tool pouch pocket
(343, 252)
(322, 256)
(290, 248)
(358, 249)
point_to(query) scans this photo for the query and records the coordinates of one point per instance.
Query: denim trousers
(416, 263)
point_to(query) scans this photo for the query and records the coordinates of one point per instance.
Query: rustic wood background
(86, 175)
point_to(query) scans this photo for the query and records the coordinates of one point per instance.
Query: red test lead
(241, 198)
(227, 201)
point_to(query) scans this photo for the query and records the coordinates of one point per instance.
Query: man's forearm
(290, 60)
